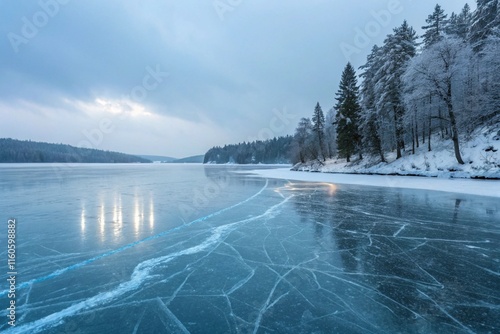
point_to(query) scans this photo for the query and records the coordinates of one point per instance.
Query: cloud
(224, 75)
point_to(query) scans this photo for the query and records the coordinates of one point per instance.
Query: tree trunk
(423, 132)
(378, 144)
(398, 151)
(360, 145)
(322, 146)
(429, 138)
(441, 123)
(382, 158)
(397, 133)
(416, 133)
(412, 140)
(453, 121)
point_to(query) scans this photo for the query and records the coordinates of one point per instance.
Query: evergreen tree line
(271, 151)
(449, 84)
(12, 150)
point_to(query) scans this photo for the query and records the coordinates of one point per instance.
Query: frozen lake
(200, 249)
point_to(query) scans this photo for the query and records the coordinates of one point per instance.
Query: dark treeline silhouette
(12, 150)
(271, 151)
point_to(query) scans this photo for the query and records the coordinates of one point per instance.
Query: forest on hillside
(446, 82)
(12, 150)
(273, 151)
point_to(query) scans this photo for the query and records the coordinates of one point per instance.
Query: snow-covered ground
(480, 154)
(465, 186)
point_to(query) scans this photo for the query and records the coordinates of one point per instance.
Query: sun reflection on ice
(82, 220)
(151, 213)
(138, 214)
(329, 188)
(117, 217)
(108, 222)
(102, 221)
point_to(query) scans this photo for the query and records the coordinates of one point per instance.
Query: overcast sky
(178, 77)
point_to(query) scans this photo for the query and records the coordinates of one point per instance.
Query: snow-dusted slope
(462, 186)
(481, 153)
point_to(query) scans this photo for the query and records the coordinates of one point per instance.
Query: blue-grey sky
(178, 77)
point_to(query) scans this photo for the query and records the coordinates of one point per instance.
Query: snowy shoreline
(463, 186)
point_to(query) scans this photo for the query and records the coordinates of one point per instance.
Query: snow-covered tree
(458, 25)
(398, 49)
(485, 95)
(485, 22)
(318, 127)
(450, 87)
(330, 134)
(370, 118)
(301, 151)
(443, 68)
(348, 114)
(435, 28)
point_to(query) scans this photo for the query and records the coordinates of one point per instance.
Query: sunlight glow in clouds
(122, 108)
(128, 127)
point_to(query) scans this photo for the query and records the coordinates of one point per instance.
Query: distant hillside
(192, 159)
(272, 151)
(157, 158)
(12, 150)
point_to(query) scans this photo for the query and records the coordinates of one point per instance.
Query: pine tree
(485, 22)
(398, 49)
(452, 25)
(348, 114)
(464, 22)
(459, 25)
(318, 121)
(436, 26)
(370, 119)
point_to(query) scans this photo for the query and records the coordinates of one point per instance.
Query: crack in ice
(141, 273)
(130, 245)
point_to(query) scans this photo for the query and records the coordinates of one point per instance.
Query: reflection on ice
(82, 220)
(151, 213)
(329, 188)
(138, 214)
(102, 222)
(117, 217)
(108, 222)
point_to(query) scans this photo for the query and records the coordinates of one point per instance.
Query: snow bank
(481, 154)
(465, 186)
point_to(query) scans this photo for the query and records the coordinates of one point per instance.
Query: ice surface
(115, 249)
